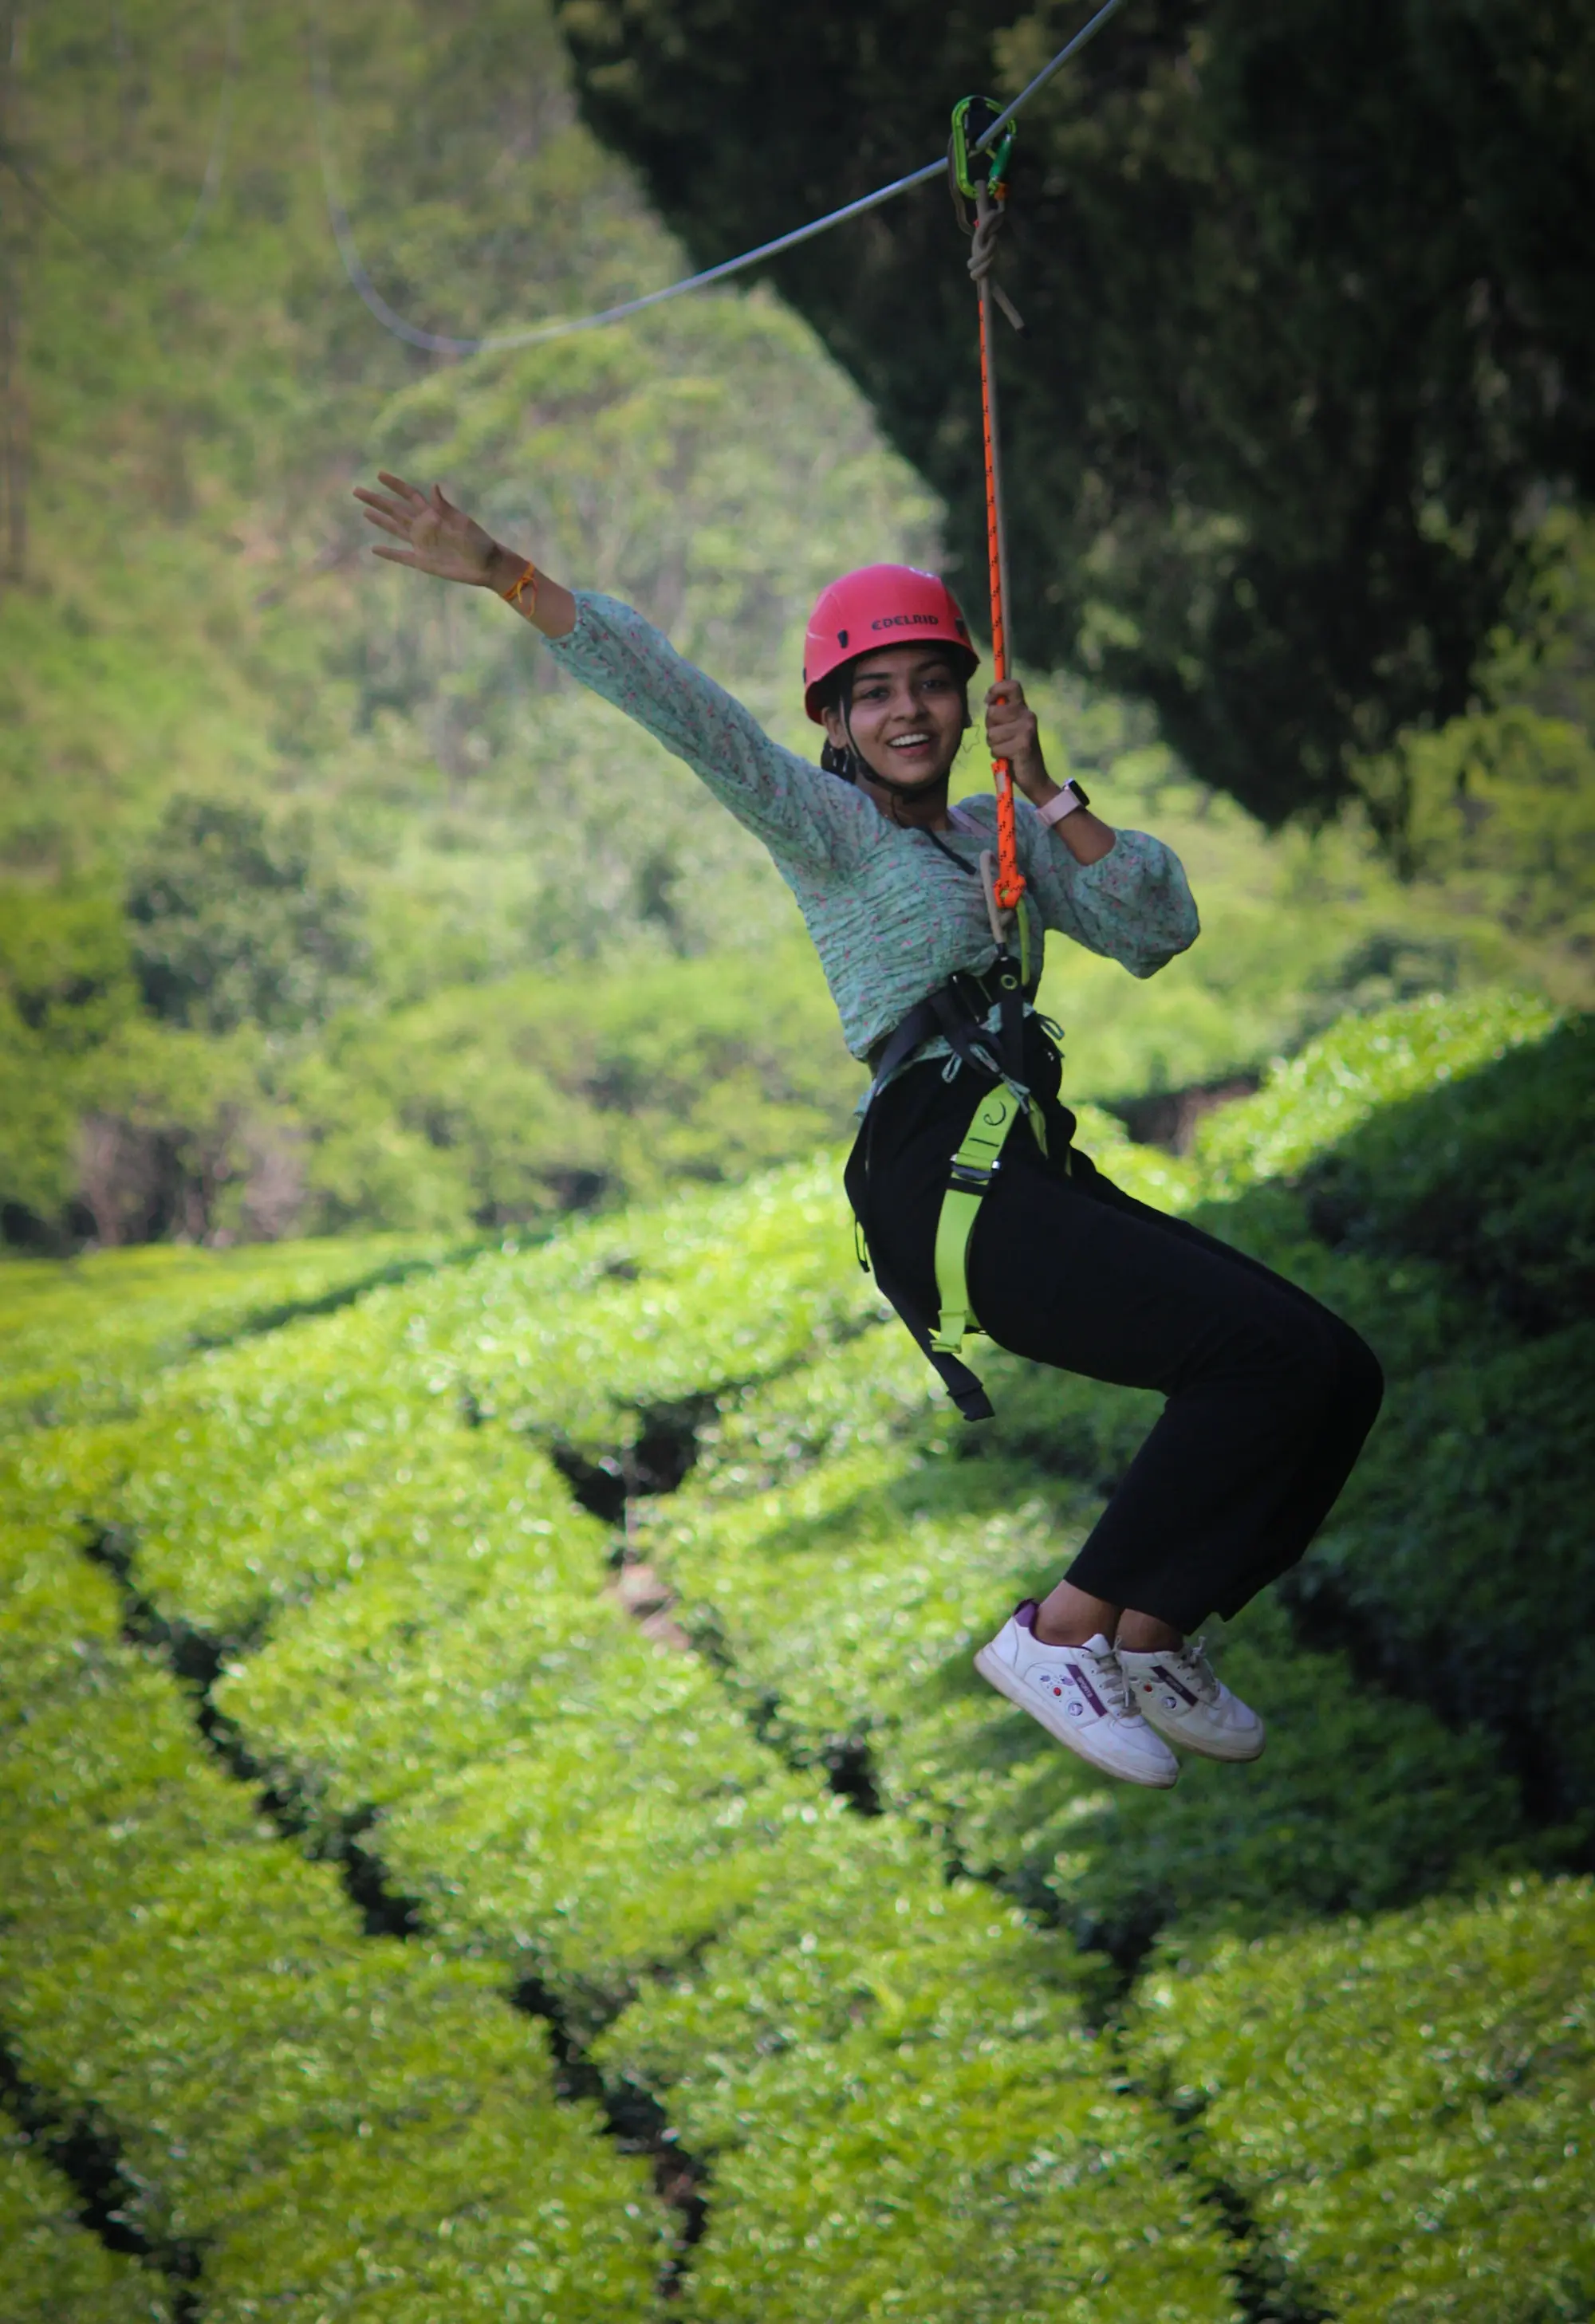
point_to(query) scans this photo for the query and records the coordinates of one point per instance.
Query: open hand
(437, 536)
(1011, 734)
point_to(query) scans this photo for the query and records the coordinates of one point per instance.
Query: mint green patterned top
(890, 916)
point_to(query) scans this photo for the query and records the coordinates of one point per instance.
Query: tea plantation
(499, 1821)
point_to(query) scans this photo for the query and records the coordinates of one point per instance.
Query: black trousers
(1269, 1396)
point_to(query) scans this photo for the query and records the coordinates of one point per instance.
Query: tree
(1309, 337)
(234, 920)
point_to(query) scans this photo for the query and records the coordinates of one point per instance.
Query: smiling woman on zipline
(979, 1210)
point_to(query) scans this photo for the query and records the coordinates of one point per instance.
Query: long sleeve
(818, 830)
(1134, 905)
(892, 913)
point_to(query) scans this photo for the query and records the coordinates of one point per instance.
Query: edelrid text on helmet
(876, 598)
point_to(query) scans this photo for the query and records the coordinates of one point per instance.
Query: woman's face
(908, 716)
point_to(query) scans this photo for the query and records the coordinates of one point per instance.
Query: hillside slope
(589, 1626)
(324, 904)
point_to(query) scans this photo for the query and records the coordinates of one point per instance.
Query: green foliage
(81, 1339)
(1279, 406)
(1406, 2103)
(1478, 1183)
(65, 987)
(850, 1596)
(558, 1094)
(570, 1800)
(284, 752)
(908, 2120)
(1479, 1478)
(64, 967)
(234, 921)
(1296, 933)
(1499, 804)
(317, 781)
(1494, 1175)
(51, 2266)
(335, 1474)
(362, 2124)
(647, 1825)
(108, 1116)
(1339, 1081)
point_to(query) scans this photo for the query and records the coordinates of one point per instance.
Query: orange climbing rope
(1010, 879)
(981, 210)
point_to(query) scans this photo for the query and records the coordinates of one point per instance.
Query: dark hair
(835, 692)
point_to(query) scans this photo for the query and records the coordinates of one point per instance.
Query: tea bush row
(246, 1476)
(651, 1308)
(848, 1600)
(362, 2127)
(594, 1814)
(81, 1338)
(1459, 1560)
(53, 2269)
(1359, 1066)
(1493, 1174)
(588, 1807)
(1407, 2104)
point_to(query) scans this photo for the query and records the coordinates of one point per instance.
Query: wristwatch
(1069, 796)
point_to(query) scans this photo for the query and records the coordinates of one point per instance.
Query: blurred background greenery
(325, 902)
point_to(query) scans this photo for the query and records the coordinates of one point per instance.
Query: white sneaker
(1181, 1697)
(1079, 1696)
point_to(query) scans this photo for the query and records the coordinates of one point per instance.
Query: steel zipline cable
(539, 334)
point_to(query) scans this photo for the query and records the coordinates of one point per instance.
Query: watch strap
(1069, 797)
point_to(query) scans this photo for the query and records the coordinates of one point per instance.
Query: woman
(1268, 1396)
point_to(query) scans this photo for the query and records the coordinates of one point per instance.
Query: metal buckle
(971, 1178)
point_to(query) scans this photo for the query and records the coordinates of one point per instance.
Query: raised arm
(816, 829)
(440, 540)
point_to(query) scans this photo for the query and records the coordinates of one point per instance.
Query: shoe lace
(1192, 1665)
(1114, 1687)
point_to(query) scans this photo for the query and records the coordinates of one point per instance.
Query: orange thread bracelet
(528, 574)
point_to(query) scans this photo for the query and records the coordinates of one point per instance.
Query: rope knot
(989, 218)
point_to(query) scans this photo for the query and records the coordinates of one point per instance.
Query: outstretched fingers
(396, 510)
(383, 514)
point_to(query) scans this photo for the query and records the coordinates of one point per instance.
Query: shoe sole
(1205, 1751)
(995, 1672)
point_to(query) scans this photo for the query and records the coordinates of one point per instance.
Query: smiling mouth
(910, 741)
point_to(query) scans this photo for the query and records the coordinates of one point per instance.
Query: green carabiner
(972, 116)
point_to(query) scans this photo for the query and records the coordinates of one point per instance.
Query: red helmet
(880, 605)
